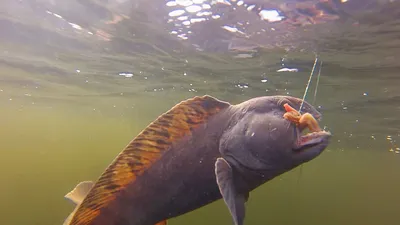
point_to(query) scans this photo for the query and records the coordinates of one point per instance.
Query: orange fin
(162, 223)
(144, 150)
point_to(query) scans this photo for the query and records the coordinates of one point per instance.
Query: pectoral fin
(232, 199)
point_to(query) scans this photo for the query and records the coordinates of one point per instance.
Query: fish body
(200, 151)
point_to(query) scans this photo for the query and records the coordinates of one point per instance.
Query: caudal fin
(77, 195)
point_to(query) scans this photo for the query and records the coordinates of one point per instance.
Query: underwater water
(79, 79)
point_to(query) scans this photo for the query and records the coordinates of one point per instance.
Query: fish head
(305, 144)
(263, 140)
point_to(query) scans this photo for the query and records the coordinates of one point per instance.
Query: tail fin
(76, 196)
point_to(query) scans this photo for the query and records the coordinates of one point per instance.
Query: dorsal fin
(144, 150)
(164, 222)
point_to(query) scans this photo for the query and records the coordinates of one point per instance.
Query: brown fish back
(144, 150)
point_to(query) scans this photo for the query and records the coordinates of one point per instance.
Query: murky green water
(71, 98)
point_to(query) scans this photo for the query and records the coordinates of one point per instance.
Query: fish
(201, 150)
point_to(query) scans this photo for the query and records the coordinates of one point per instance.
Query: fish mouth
(311, 140)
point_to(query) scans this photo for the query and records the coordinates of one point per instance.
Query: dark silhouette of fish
(201, 150)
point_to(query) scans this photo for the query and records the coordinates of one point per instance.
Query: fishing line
(315, 97)
(316, 85)
(308, 84)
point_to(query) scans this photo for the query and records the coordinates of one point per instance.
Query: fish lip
(311, 140)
